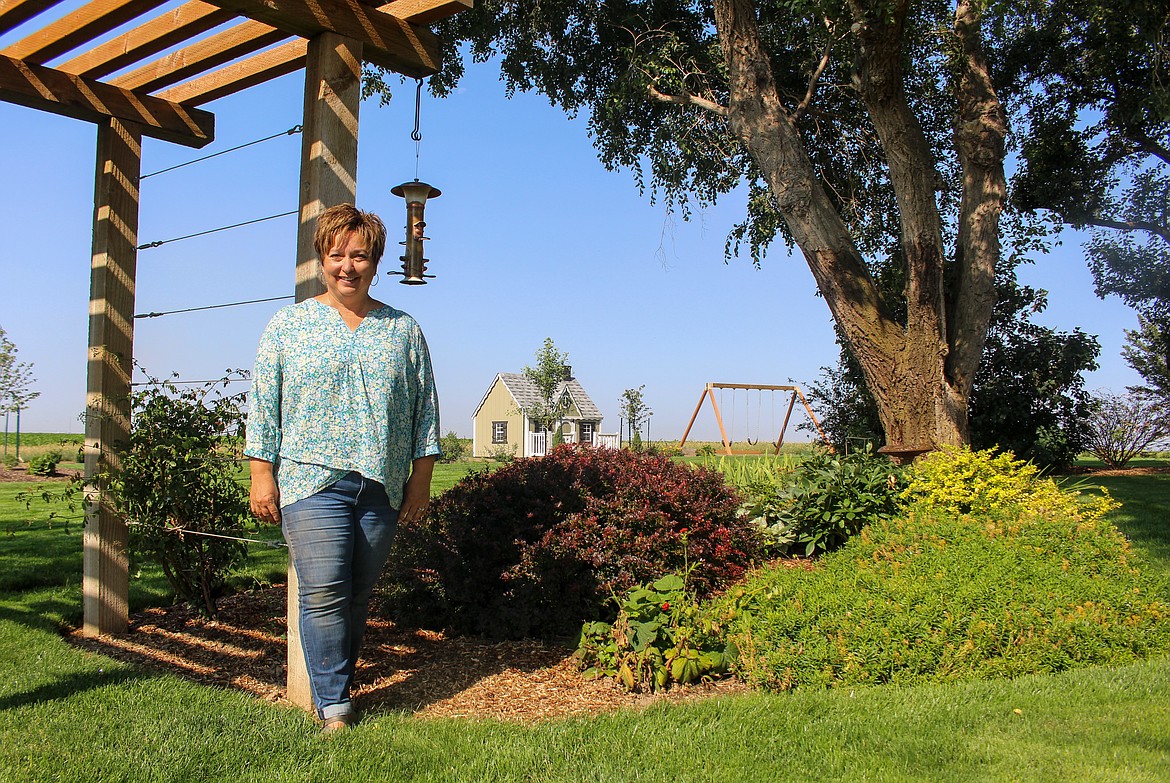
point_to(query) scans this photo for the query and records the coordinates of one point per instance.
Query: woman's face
(347, 267)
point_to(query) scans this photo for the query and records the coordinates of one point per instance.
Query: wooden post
(328, 177)
(105, 565)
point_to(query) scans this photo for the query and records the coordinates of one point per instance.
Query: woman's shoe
(335, 725)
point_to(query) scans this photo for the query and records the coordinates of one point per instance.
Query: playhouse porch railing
(539, 443)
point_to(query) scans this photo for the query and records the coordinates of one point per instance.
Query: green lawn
(67, 715)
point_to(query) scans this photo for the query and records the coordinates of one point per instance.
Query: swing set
(748, 388)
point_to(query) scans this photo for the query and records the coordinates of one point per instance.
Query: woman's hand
(417, 495)
(264, 494)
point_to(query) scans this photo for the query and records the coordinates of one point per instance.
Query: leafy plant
(175, 483)
(45, 464)
(540, 545)
(660, 637)
(822, 501)
(502, 453)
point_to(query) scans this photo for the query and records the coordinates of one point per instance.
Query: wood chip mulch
(424, 673)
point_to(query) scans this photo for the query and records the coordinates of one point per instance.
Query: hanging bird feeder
(414, 265)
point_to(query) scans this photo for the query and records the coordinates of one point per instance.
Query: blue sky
(532, 238)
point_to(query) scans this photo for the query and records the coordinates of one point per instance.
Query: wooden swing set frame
(710, 388)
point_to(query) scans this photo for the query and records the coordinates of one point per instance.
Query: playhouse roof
(525, 393)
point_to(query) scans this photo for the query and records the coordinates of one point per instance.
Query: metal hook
(415, 134)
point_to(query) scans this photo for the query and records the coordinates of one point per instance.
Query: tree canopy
(871, 136)
(866, 133)
(1091, 84)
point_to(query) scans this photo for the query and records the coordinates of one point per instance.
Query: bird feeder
(414, 266)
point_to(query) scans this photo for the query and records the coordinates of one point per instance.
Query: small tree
(636, 412)
(549, 377)
(176, 485)
(15, 380)
(1124, 425)
(1147, 350)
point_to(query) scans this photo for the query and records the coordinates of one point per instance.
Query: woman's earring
(375, 280)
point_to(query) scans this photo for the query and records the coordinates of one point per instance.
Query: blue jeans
(339, 539)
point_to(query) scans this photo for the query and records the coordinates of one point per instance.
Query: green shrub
(660, 637)
(45, 464)
(825, 499)
(452, 446)
(10, 461)
(178, 491)
(540, 545)
(1039, 584)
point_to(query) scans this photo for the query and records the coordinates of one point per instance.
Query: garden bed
(421, 672)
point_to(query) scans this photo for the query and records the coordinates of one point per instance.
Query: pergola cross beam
(38, 87)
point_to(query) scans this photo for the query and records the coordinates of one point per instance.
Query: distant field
(45, 438)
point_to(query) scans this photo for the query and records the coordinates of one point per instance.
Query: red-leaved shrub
(541, 545)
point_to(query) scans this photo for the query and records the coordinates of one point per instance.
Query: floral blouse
(326, 400)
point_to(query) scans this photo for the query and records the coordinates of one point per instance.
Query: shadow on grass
(70, 685)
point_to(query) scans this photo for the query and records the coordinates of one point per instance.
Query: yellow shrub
(960, 481)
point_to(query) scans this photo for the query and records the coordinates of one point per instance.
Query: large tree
(1029, 394)
(868, 132)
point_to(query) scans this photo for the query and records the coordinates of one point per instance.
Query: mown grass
(67, 715)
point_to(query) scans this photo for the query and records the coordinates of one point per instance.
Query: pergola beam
(149, 38)
(259, 68)
(237, 41)
(290, 56)
(92, 20)
(14, 13)
(50, 90)
(386, 40)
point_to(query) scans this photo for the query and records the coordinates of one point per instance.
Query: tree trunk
(920, 388)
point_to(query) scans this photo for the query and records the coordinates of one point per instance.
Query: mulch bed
(21, 473)
(415, 671)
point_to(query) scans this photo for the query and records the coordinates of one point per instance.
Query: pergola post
(328, 177)
(105, 564)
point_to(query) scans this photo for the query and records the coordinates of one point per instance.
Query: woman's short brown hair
(343, 218)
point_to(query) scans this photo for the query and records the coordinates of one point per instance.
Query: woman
(343, 431)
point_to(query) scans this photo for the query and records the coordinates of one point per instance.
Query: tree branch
(979, 138)
(815, 79)
(686, 99)
(1146, 144)
(1162, 232)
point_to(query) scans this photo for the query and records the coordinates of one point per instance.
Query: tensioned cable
(183, 531)
(271, 544)
(191, 383)
(213, 307)
(160, 242)
(291, 131)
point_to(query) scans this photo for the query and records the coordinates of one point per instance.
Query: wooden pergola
(150, 80)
